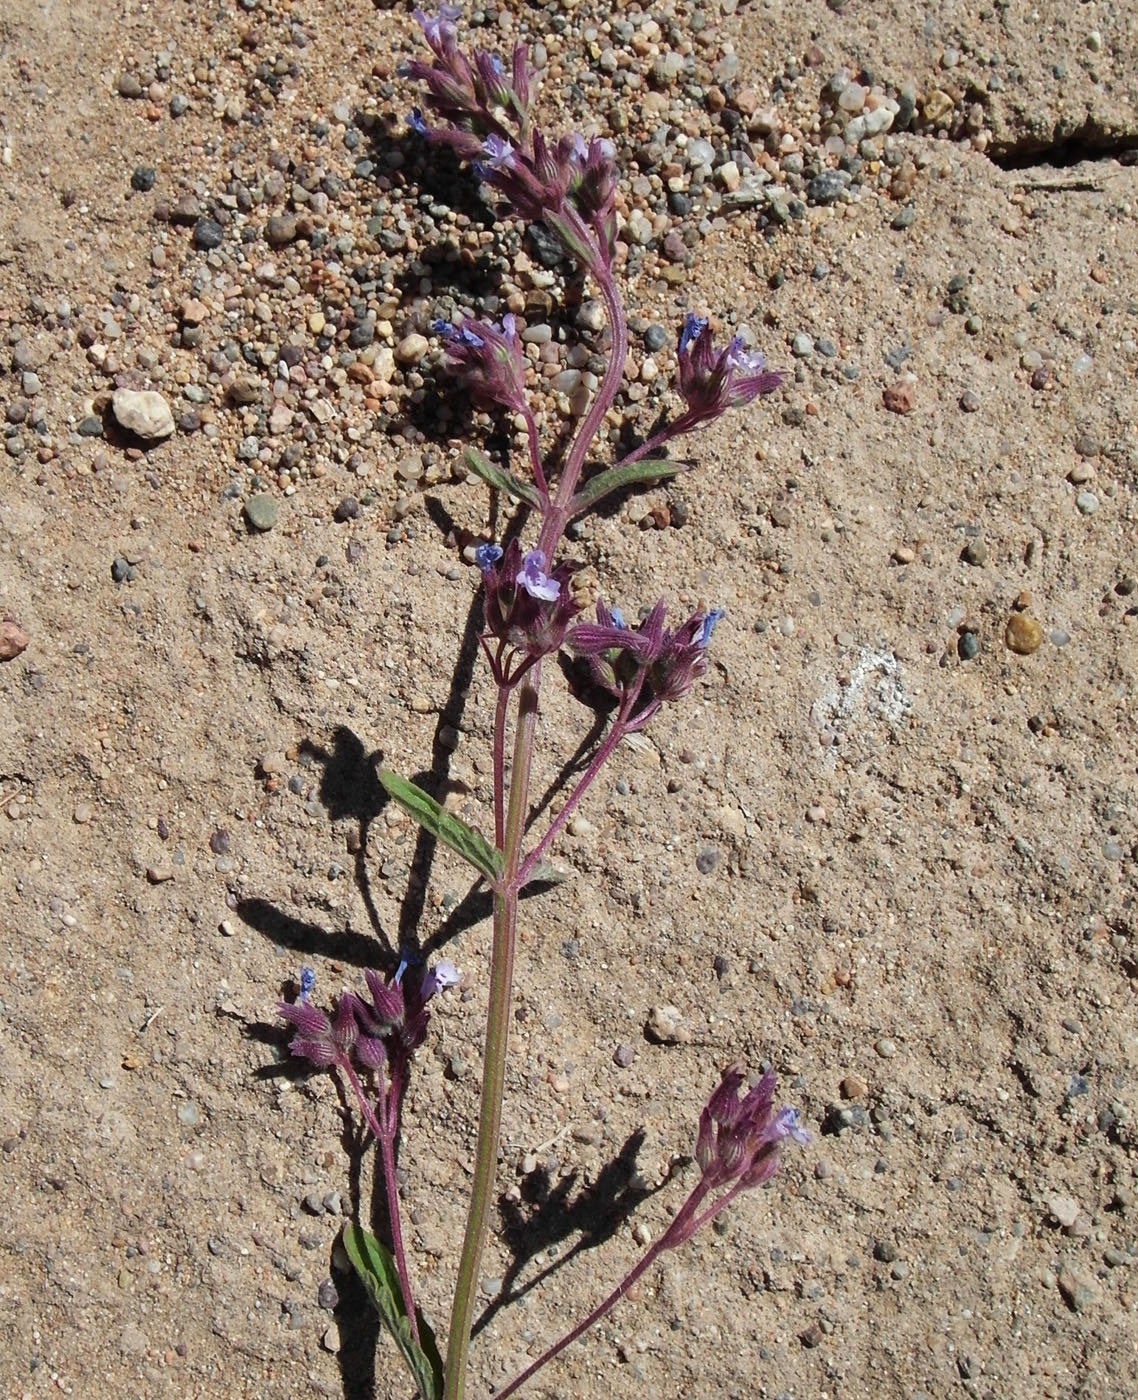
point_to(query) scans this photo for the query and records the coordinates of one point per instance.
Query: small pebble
(261, 512)
(885, 1047)
(1087, 502)
(899, 397)
(665, 1026)
(143, 412)
(208, 234)
(1023, 634)
(142, 178)
(968, 646)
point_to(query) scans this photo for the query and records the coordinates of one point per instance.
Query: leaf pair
(590, 495)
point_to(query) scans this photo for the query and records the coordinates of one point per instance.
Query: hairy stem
(557, 825)
(497, 1036)
(559, 514)
(384, 1133)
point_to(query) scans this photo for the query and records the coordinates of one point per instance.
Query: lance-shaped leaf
(471, 845)
(500, 479)
(620, 478)
(376, 1267)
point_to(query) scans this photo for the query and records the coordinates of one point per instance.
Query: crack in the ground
(1089, 142)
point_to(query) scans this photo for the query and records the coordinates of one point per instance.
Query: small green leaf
(546, 873)
(636, 474)
(375, 1265)
(500, 478)
(449, 829)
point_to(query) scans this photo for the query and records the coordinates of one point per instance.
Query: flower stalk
(481, 108)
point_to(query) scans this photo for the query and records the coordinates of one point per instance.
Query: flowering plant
(483, 111)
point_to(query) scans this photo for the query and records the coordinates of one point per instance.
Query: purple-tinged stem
(383, 1131)
(535, 454)
(559, 514)
(677, 1231)
(602, 755)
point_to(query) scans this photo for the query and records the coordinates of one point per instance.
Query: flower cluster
(569, 185)
(739, 1138)
(489, 359)
(711, 380)
(526, 608)
(387, 1029)
(647, 665)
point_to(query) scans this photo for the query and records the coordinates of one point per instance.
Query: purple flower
(444, 974)
(438, 29)
(526, 608)
(713, 381)
(694, 327)
(489, 359)
(307, 983)
(711, 618)
(487, 555)
(646, 665)
(536, 582)
(498, 152)
(740, 1138)
(416, 123)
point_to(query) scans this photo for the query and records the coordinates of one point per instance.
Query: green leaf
(635, 474)
(375, 1265)
(546, 873)
(500, 478)
(450, 830)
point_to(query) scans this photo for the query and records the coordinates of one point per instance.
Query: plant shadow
(595, 1214)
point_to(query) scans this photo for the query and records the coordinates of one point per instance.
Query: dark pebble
(679, 204)
(885, 1252)
(219, 842)
(707, 858)
(362, 334)
(968, 647)
(179, 105)
(1086, 446)
(623, 1056)
(975, 552)
(348, 509)
(896, 357)
(655, 338)
(827, 187)
(328, 1296)
(142, 179)
(121, 570)
(208, 234)
(546, 248)
(904, 218)
(91, 426)
(811, 1337)
(970, 401)
(129, 85)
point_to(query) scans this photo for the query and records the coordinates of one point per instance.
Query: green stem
(497, 1037)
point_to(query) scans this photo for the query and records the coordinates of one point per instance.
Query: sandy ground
(880, 848)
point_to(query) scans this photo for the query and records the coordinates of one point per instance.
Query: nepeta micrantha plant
(484, 113)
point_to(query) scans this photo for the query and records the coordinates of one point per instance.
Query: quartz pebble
(665, 1025)
(143, 412)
